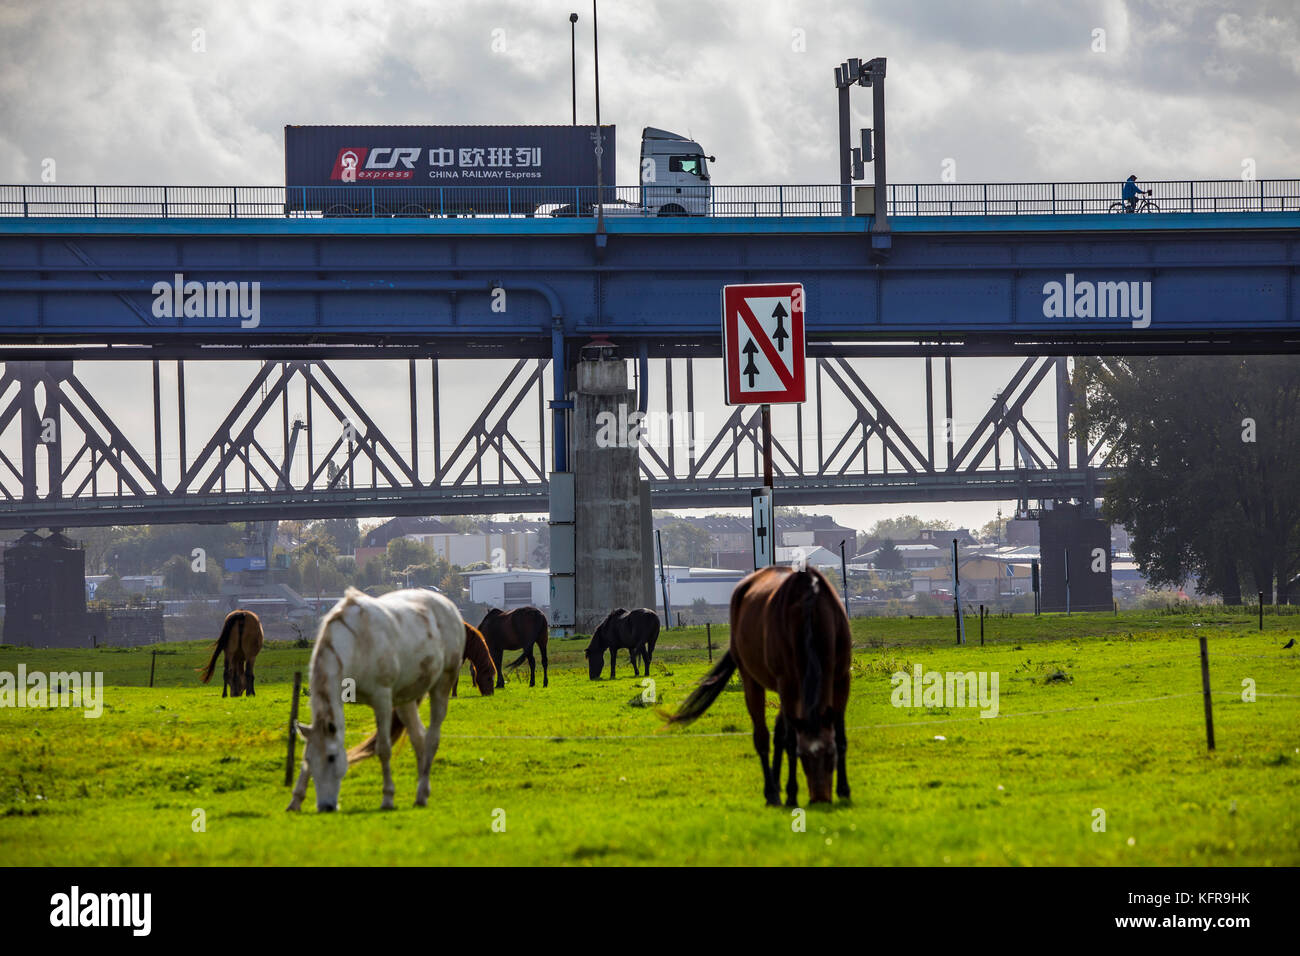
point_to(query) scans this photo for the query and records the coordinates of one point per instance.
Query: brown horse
(241, 639)
(482, 669)
(516, 630)
(789, 634)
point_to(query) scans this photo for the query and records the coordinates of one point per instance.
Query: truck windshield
(694, 165)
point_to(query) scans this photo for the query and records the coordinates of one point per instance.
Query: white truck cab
(674, 175)
(674, 181)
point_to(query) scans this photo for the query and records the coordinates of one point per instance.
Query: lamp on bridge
(573, 62)
(856, 72)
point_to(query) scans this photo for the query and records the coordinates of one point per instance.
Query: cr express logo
(368, 164)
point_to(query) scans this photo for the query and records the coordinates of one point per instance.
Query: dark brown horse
(789, 634)
(636, 630)
(241, 639)
(516, 630)
(482, 668)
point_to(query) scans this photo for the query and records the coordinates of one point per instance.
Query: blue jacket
(1131, 189)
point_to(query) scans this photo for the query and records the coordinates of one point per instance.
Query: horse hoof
(291, 808)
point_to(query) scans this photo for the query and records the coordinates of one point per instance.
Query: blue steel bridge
(951, 271)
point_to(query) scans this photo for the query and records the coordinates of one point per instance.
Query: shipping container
(444, 170)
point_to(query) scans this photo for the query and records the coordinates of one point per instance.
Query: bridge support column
(607, 491)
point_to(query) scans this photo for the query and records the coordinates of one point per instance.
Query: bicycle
(1145, 204)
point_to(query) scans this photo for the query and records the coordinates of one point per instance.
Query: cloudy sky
(142, 91)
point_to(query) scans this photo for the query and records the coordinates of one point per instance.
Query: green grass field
(581, 775)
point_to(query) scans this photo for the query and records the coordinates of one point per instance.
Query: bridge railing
(1022, 199)
(369, 202)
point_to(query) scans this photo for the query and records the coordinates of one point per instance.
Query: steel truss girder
(238, 470)
(96, 475)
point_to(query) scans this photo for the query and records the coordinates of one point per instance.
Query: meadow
(1096, 713)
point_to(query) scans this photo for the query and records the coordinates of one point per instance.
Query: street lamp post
(600, 145)
(573, 62)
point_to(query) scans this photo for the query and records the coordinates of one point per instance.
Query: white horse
(394, 649)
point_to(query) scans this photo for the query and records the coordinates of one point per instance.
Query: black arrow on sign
(750, 369)
(780, 335)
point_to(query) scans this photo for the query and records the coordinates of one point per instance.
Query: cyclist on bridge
(1131, 193)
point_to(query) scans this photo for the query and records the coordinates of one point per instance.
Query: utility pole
(573, 62)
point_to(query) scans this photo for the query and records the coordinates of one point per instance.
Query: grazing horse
(636, 630)
(393, 650)
(516, 630)
(789, 634)
(474, 636)
(241, 639)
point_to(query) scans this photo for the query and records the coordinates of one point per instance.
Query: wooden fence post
(708, 636)
(1205, 689)
(153, 659)
(293, 728)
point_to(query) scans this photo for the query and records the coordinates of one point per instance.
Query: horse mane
(812, 673)
(802, 590)
(325, 646)
(476, 650)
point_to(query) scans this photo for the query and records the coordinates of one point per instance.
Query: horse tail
(812, 667)
(520, 659)
(476, 650)
(205, 673)
(367, 747)
(705, 693)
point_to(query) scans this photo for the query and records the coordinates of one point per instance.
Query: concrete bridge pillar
(607, 492)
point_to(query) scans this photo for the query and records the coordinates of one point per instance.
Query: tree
(178, 577)
(889, 558)
(994, 530)
(1210, 466)
(343, 533)
(403, 552)
(904, 527)
(452, 585)
(686, 543)
(111, 590)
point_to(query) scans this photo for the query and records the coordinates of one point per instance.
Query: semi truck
(423, 171)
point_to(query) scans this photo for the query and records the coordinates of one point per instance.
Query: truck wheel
(672, 209)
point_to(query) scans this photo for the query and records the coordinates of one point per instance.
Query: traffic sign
(763, 343)
(764, 528)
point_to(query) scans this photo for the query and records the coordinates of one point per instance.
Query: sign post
(956, 595)
(764, 530)
(763, 364)
(1033, 572)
